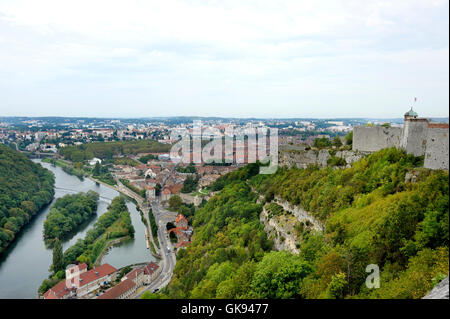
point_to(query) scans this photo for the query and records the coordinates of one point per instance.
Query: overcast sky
(224, 58)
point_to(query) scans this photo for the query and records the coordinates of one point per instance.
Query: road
(166, 250)
(168, 257)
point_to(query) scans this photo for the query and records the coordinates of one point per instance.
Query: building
(132, 281)
(419, 136)
(81, 282)
(151, 271)
(94, 161)
(123, 290)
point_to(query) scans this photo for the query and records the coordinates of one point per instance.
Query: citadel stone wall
(436, 155)
(414, 139)
(418, 137)
(374, 138)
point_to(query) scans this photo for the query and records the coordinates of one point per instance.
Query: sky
(326, 58)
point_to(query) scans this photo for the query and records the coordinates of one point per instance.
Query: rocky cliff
(304, 158)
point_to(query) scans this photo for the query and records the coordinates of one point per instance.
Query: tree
(58, 261)
(336, 288)
(337, 141)
(97, 169)
(322, 142)
(175, 202)
(349, 138)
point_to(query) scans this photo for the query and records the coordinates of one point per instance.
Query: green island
(113, 224)
(25, 188)
(372, 213)
(68, 213)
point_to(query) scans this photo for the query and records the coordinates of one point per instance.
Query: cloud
(240, 55)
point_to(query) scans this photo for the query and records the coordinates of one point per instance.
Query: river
(24, 265)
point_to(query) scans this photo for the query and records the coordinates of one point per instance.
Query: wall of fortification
(415, 136)
(436, 154)
(374, 138)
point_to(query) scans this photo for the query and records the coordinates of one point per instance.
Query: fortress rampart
(418, 136)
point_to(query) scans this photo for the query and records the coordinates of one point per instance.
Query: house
(123, 290)
(132, 281)
(80, 282)
(60, 291)
(166, 194)
(151, 270)
(150, 192)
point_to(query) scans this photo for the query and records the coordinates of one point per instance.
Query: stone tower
(414, 137)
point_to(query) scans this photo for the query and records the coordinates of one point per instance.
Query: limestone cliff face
(287, 225)
(304, 158)
(300, 214)
(280, 229)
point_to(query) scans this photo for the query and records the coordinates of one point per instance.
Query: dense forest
(384, 210)
(114, 223)
(106, 150)
(68, 213)
(25, 187)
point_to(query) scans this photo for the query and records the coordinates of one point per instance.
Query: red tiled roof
(150, 268)
(58, 291)
(176, 188)
(438, 125)
(96, 273)
(118, 290)
(183, 243)
(180, 218)
(134, 273)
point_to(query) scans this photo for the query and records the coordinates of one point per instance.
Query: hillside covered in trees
(25, 187)
(384, 210)
(106, 150)
(68, 213)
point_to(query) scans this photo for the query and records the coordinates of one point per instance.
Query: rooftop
(411, 113)
(118, 290)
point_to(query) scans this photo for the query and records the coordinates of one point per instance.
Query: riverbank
(107, 246)
(67, 167)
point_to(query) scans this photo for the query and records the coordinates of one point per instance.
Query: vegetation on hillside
(68, 213)
(372, 215)
(228, 242)
(106, 150)
(25, 187)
